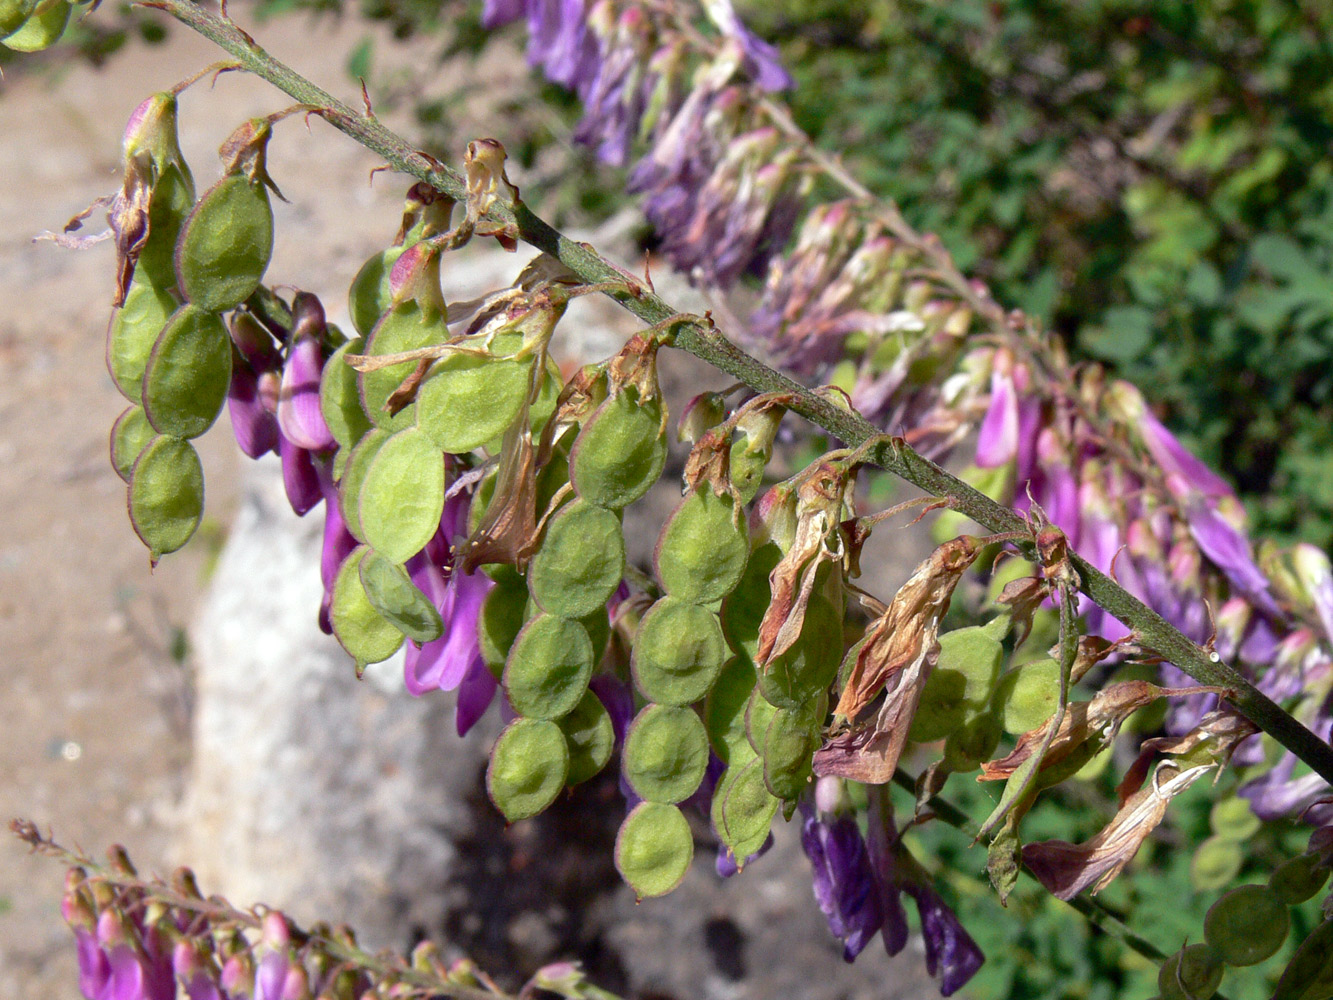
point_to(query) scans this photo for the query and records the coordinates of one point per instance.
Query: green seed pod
(13, 13)
(130, 337)
(1027, 696)
(529, 765)
(41, 29)
(580, 562)
(724, 711)
(1193, 973)
(392, 593)
(678, 652)
(501, 619)
(339, 401)
(747, 469)
(598, 625)
(960, 685)
(1233, 819)
(1309, 974)
(548, 669)
(973, 742)
(173, 198)
(590, 736)
(743, 609)
(789, 746)
(1298, 879)
(225, 244)
(702, 551)
(402, 495)
(805, 671)
(1215, 864)
(406, 327)
(130, 435)
(367, 635)
(620, 452)
(186, 378)
(468, 399)
(666, 753)
(166, 494)
(759, 712)
(370, 296)
(354, 474)
(654, 849)
(743, 809)
(1247, 925)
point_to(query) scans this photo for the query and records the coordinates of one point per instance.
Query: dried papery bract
(897, 656)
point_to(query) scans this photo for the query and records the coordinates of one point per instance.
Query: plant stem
(702, 339)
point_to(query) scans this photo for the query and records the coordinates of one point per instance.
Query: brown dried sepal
(1217, 735)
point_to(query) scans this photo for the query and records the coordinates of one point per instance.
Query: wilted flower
(843, 881)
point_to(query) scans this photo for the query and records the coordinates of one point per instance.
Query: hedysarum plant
(473, 497)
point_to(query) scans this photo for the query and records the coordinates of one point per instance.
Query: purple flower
(1185, 473)
(951, 954)
(299, 415)
(997, 438)
(561, 44)
(443, 663)
(475, 695)
(760, 57)
(300, 476)
(1230, 551)
(618, 701)
(843, 881)
(94, 967)
(255, 428)
(497, 13)
(618, 95)
(271, 976)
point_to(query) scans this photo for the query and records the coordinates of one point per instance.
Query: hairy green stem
(702, 339)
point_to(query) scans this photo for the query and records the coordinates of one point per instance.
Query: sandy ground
(95, 705)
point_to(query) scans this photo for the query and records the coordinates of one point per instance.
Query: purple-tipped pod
(726, 865)
(843, 880)
(299, 415)
(700, 414)
(773, 518)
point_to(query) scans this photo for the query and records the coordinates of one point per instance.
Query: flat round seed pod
(1027, 696)
(468, 399)
(186, 378)
(743, 609)
(1215, 864)
(225, 245)
(501, 619)
(678, 652)
(598, 625)
(173, 198)
(13, 13)
(1193, 973)
(1298, 879)
(972, 742)
(654, 849)
(370, 296)
(1233, 819)
(130, 337)
(806, 670)
(402, 495)
(724, 711)
(960, 685)
(590, 737)
(620, 452)
(666, 753)
(529, 765)
(548, 669)
(789, 747)
(1309, 974)
(39, 31)
(354, 474)
(580, 562)
(130, 435)
(759, 712)
(701, 552)
(743, 809)
(339, 400)
(392, 593)
(367, 635)
(406, 327)
(166, 494)
(1247, 925)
